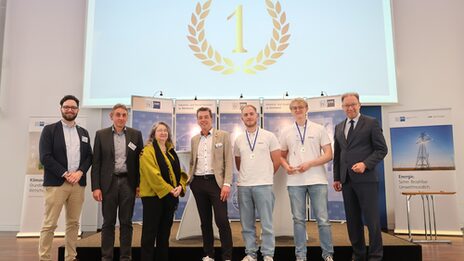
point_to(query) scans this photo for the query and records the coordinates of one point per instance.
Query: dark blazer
(103, 161)
(52, 150)
(366, 144)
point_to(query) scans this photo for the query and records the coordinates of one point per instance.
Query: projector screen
(221, 49)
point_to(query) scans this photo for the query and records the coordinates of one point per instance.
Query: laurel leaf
(266, 51)
(259, 57)
(285, 28)
(249, 71)
(217, 57)
(285, 38)
(194, 48)
(228, 71)
(218, 68)
(229, 62)
(204, 46)
(276, 24)
(282, 47)
(210, 52)
(278, 7)
(283, 18)
(209, 62)
(201, 56)
(276, 55)
(207, 4)
(268, 62)
(260, 67)
(249, 61)
(194, 19)
(198, 8)
(201, 36)
(192, 39)
(273, 45)
(275, 34)
(192, 30)
(272, 13)
(204, 14)
(269, 4)
(200, 25)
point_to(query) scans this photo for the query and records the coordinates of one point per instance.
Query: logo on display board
(267, 56)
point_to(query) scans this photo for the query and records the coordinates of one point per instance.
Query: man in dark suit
(66, 155)
(210, 177)
(115, 180)
(359, 146)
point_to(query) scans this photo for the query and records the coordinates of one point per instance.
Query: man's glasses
(70, 108)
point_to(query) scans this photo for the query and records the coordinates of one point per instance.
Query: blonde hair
(298, 100)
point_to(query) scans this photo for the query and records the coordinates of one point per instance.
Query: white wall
(43, 60)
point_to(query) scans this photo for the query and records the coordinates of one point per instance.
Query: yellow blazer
(222, 157)
(151, 181)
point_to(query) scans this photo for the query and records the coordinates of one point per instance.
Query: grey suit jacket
(366, 144)
(222, 157)
(103, 164)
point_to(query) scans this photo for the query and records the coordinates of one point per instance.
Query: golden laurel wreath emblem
(266, 57)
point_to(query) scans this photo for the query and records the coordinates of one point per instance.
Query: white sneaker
(300, 259)
(328, 258)
(207, 258)
(249, 258)
(268, 258)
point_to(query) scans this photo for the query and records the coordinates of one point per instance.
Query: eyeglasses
(70, 108)
(352, 105)
(294, 108)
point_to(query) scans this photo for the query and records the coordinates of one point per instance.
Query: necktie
(350, 131)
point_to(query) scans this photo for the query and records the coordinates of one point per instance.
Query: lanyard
(252, 148)
(302, 138)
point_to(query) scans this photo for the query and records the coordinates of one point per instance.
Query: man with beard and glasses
(257, 157)
(66, 155)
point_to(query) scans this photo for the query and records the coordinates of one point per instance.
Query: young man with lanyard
(306, 147)
(257, 157)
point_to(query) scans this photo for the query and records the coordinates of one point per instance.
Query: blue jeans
(262, 199)
(318, 197)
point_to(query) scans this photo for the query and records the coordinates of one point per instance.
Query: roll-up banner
(423, 160)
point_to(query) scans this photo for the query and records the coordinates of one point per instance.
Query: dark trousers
(120, 196)
(207, 196)
(361, 200)
(158, 216)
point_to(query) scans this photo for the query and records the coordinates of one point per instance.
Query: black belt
(121, 174)
(207, 177)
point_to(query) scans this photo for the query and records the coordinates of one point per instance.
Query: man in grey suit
(359, 147)
(115, 180)
(210, 177)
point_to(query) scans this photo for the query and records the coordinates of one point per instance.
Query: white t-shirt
(256, 168)
(316, 137)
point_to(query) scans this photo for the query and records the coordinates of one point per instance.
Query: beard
(69, 116)
(250, 124)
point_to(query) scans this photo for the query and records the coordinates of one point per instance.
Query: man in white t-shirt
(257, 157)
(306, 147)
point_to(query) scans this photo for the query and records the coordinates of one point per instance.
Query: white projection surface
(223, 48)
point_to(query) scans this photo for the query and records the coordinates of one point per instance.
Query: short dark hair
(205, 109)
(355, 94)
(69, 97)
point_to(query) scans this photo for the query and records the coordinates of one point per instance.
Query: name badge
(85, 139)
(132, 145)
(218, 145)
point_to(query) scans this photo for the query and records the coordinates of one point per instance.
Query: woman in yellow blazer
(162, 181)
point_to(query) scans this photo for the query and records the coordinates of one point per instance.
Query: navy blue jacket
(52, 149)
(366, 144)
